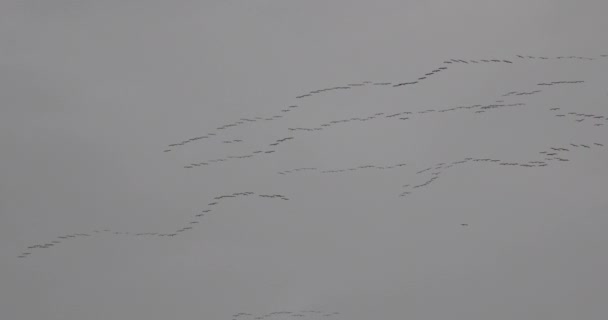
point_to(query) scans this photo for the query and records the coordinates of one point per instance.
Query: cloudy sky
(338, 160)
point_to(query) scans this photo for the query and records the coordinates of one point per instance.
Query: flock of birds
(550, 155)
(283, 315)
(189, 225)
(274, 117)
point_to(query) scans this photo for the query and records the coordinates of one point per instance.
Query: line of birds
(595, 119)
(521, 93)
(558, 82)
(189, 225)
(401, 116)
(553, 154)
(343, 170)
(308, 314)
(237, 123)
(406, 115)
(364, 83)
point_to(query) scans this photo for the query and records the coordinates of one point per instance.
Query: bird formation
(521, 93)
(232, 141)
(434, 71)
(482, 108)
(186, 226)
(594, 119)
(548, 156)
(553, 154)
(560, 57)
(363, 167)
(406, 115)
(238, 123)
(430, 174)
(284, 315)
(558, 82)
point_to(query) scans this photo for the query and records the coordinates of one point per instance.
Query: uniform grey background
(91, 92)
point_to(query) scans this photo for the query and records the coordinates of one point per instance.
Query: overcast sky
(427, 159)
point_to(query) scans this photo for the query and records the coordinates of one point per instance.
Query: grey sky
(93, 92)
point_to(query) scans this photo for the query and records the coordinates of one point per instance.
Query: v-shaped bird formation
(510, 104)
